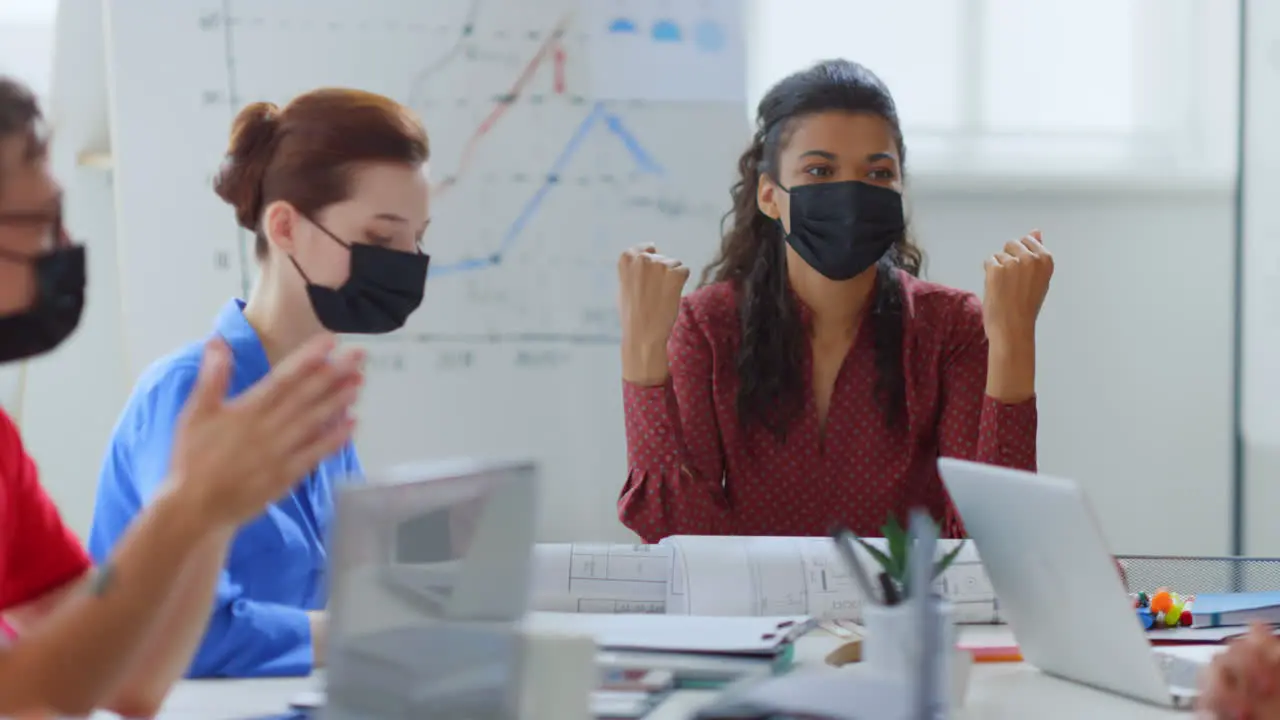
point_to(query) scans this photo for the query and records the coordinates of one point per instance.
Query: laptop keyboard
(1179, 671)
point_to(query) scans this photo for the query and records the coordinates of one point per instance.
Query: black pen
(847, 547)
(891, 596)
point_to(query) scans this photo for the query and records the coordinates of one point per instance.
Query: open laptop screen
(431, 572)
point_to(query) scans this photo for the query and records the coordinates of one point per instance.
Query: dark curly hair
(753, 255)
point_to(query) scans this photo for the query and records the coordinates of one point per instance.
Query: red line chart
(551, 49)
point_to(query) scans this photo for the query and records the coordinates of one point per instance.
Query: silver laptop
(430, 575)
(1040, 543)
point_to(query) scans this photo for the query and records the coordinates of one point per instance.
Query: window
(790, 34)
(1057, 67)
(1046, 88)
(29, 12)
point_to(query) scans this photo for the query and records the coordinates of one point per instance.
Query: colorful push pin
(1185, 620)
(1172, 617)
(1143, 600)
(1161, 601)
(1146, 618)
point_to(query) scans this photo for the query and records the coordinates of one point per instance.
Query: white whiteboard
(625, 130)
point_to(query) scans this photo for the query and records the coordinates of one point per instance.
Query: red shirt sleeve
(38, 553)
(675, 460)
(973, 426)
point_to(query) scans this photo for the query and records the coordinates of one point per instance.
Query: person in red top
(814, 379)
(79, 638)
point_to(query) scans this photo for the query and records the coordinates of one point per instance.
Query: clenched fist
(649, 289)
(1016, 283)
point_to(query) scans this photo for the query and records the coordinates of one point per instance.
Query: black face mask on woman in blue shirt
(843, 228)
(383, 289)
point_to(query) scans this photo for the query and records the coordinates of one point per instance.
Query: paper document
(670, 633)
(801, 576)
(601, 578)
(853, 694)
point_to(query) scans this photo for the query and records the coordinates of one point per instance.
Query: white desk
(997, 691)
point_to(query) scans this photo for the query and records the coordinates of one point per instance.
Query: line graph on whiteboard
(561, 132)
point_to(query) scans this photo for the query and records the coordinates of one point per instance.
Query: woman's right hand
(236, 456)
(1244, 681)
(649, 288)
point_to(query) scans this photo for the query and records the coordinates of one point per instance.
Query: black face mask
(384, 288)
(843, 228)
(55, 312)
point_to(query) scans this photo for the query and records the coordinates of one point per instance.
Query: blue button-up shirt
(275, 570)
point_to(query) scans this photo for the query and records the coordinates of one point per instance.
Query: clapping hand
(236, 456)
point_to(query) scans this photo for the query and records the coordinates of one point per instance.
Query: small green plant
(894, 562)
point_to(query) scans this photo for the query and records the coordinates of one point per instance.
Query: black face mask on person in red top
(843, 228)
(55, 310)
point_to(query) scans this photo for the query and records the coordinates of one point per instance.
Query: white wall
(64, 434)
(1123, 151)
(1134, 344)
(26, 49)
(23, 43)
(1135, 351)
(1260, 297)
(1135, 363)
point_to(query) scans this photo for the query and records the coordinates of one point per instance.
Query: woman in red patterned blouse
(813, 378)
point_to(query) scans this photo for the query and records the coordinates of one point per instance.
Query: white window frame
(1186, 126)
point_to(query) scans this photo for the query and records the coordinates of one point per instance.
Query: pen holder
(891, 644)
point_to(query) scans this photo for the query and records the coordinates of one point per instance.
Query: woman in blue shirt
(333, 186)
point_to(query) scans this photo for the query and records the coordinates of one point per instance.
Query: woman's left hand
(1016, 284)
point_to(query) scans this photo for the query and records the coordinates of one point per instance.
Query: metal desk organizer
(1182, 578)
(1195, 575)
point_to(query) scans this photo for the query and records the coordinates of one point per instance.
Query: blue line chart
(599, 116)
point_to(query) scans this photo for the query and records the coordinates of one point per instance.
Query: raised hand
(239, 455)
(1017, 280)
(649, 288)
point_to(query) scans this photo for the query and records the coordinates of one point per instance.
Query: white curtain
(1115, 88)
